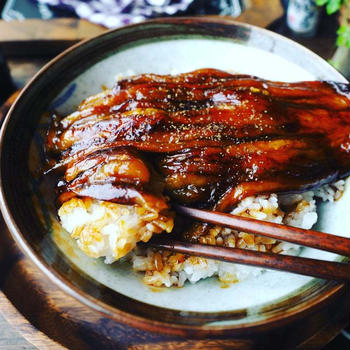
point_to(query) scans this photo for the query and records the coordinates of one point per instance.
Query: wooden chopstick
(309, 238)
(311, 267)
(304, 266)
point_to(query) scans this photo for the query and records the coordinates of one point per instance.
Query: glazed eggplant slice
(205, 138)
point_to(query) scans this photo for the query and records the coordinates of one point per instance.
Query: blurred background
(40, 29)
(32, 32)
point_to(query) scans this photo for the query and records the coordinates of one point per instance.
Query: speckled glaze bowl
(27, 198)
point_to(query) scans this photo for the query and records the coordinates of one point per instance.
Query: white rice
(110, 230)
(331, 192)
(173, 269)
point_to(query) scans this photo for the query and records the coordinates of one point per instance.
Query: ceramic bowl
(27, 198)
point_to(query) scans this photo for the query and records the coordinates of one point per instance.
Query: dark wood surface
(37, 38)
(14, 329)
(39, 312)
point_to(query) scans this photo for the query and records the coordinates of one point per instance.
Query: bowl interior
(29, 197)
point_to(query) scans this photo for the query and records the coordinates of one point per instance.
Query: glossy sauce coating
(208, 137)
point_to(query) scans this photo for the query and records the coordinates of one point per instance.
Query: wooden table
(25, 57)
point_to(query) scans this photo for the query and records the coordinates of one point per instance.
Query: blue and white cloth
(116, 13)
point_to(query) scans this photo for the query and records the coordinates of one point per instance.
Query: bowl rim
(318, 301)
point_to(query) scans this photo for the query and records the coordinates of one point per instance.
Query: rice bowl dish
(208, 308)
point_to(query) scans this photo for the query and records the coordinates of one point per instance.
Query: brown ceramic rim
(318, 297)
